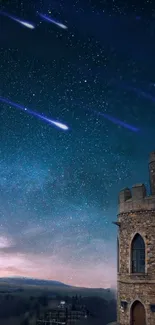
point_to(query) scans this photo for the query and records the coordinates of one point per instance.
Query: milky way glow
(33, 113)
(53, 21)
(117, 121)
(22, 22)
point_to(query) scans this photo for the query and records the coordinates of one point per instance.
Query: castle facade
(136, 253)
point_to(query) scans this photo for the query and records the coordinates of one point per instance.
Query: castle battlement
(136, 199)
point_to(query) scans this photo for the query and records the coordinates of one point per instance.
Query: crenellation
(138, 192)
(137, 204)
(136, 198)
(124, 195)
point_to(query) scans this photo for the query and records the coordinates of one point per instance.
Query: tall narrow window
(117, 255)
(138, 255)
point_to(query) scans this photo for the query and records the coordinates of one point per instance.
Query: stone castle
(136, 253)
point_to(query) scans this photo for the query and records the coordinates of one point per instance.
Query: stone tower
(136, 253)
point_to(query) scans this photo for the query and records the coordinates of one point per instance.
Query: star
(59, 190)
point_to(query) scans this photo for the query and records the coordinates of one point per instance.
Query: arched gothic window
(138, 254)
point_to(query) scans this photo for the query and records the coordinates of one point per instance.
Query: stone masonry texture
(136, 215)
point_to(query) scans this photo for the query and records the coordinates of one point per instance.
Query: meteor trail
(50, 20)
(22, 22)
(42, 117)
(137, 91)
(117, 121)
(141, 93)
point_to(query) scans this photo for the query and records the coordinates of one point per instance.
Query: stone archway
(138, 316)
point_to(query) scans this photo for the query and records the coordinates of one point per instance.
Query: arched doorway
(138, 316)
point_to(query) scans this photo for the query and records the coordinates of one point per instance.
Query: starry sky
(59, 189)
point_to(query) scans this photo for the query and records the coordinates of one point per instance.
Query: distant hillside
(53, 287)
(30, 281)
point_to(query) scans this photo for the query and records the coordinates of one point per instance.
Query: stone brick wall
(133, 287)
(136, 215)
(152, 172)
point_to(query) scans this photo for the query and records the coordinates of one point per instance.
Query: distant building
(62, 315)
(136, 253)
(62, 304)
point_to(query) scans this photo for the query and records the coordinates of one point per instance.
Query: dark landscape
(22, 299)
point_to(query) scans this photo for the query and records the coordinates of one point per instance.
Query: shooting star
(53, 21)
(117, 121)
(137, 91)
(141, 93)
(22, 22)
(33, 113)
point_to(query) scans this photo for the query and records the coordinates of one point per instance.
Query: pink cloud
(51, 267)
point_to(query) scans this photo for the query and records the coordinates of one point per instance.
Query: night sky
(59, 188)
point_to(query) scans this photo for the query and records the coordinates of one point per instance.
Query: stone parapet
(136, 199)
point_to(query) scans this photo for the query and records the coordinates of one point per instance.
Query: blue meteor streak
(137, 91)
(43, 118)
(118, 122)
(140, 93)
(50, 20)
(22, 22)
(121, 123)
